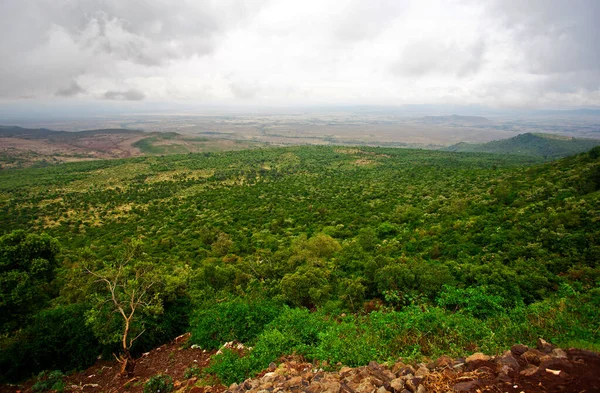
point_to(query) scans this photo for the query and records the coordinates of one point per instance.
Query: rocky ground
(521, 369)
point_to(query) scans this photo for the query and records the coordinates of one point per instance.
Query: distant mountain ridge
(549, 146)
(44, 133)
(457, 119)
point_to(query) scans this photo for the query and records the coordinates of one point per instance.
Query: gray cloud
(125, 95)
(554, 36)
(376, 51)
(362, 20)
(72, 90)
(423, 58)
(46, 44)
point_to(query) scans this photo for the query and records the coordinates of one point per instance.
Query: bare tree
(130, 289)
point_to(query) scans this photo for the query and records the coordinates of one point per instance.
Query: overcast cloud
(534, 53)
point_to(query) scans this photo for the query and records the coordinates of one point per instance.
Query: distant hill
(549, 146)
(457, 120)
(44, 133)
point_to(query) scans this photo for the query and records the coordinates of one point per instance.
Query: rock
(374, 364)
(559, 353)
(397, 384)
(544, 346)
(443, 362)
(405, 370)
(422, 372)
(314, 387)
(269, 377)
(529, 370)
(346, 371)
(532, 356)
(272, 366)
(365, 387)
(508, 360)
(519, 349)
(557, 364)
(294, 381)
(196, 389)
(382, 389)
(397, 366)
(421, 389)
(331, 387)
(413, 383)
(477, 357)
(388, 375)
(376, 381)
(192, 381)
(466, 386)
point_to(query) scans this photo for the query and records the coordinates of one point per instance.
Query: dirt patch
(171, 359)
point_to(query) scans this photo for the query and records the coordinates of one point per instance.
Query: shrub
(43, 344)
(159, 384)
(241, 320)
(49, 380)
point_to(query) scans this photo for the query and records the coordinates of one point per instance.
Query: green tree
(27, 268)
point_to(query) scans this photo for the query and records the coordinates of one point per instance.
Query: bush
(241, 320)
(49, 380)
(159, 384)
(57, 338)
(475, 300)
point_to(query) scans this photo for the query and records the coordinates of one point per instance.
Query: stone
(388, 375)
(532, 356)
(529, 370)
(477, 357)
(401, 369)
(559, 353)
(376, 381)
(314, 387)
(413, 383)
(397, 384)
(382, 389)
(466, 386)
(272, 366)
(294, 381)
(422, 372)
(365, 387)
(519, 349)
(269, 377)
(508, 360)
(557, 364)
(443, 362)
(421, 389)
(544, 346)
(346, 371)
(331, 386)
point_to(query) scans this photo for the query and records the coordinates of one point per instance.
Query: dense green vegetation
(339, 254)
(549, 146)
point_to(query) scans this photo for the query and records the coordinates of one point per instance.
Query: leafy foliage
(424, 252)
(49, 380)
(159, 384)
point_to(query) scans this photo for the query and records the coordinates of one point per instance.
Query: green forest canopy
(448, 248)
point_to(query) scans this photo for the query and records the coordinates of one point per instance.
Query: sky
(502, 54)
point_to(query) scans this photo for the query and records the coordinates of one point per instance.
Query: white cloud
(502, 53)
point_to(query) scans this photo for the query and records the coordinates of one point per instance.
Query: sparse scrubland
(341, 254)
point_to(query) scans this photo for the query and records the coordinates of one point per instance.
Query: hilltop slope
(548, 146)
